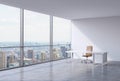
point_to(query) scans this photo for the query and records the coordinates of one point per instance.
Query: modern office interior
(59, 40)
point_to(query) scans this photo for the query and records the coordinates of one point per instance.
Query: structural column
(51, 38)
(21, 37)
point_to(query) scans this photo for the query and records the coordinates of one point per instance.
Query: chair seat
(87, 55)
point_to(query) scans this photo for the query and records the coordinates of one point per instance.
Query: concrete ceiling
(70, 9)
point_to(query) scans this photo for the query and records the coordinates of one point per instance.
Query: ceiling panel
(70, 9)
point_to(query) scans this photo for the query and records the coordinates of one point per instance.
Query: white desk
(100, 57)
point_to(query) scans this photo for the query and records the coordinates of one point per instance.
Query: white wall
(102, 33)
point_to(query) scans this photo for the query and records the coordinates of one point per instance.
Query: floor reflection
(64, 70)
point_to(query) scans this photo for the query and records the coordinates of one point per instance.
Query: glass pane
(61, 37)
(37, 27)
(9, 37)
(9, 26)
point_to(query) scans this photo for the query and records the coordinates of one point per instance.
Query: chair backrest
(89, 48)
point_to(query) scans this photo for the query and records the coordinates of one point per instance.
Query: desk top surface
(77, 51)
(99, 52)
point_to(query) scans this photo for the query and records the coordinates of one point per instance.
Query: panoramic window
(61, 37)
(36, 35)
(9, 37)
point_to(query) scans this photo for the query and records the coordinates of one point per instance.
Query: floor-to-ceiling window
(9, 37)
(61, 37)
(25, 37)
(36, 37)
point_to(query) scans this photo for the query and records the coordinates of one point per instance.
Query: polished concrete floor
(64, 70)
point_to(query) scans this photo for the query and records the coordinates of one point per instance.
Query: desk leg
(93, 58)
(71, 55)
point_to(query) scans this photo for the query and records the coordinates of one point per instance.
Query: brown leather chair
(88, 53)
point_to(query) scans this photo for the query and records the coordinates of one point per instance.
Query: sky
(36, 26)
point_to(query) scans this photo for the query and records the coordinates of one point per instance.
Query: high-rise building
(43, 56)
(30, 54)
(63, 50)
(56, 53)
(11, 59)
(2, 60)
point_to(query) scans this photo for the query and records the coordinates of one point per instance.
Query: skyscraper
(30, 54)
(2, 60)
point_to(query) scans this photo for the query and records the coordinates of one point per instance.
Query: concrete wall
(102, 33)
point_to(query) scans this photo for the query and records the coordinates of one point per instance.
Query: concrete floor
(64, 70)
